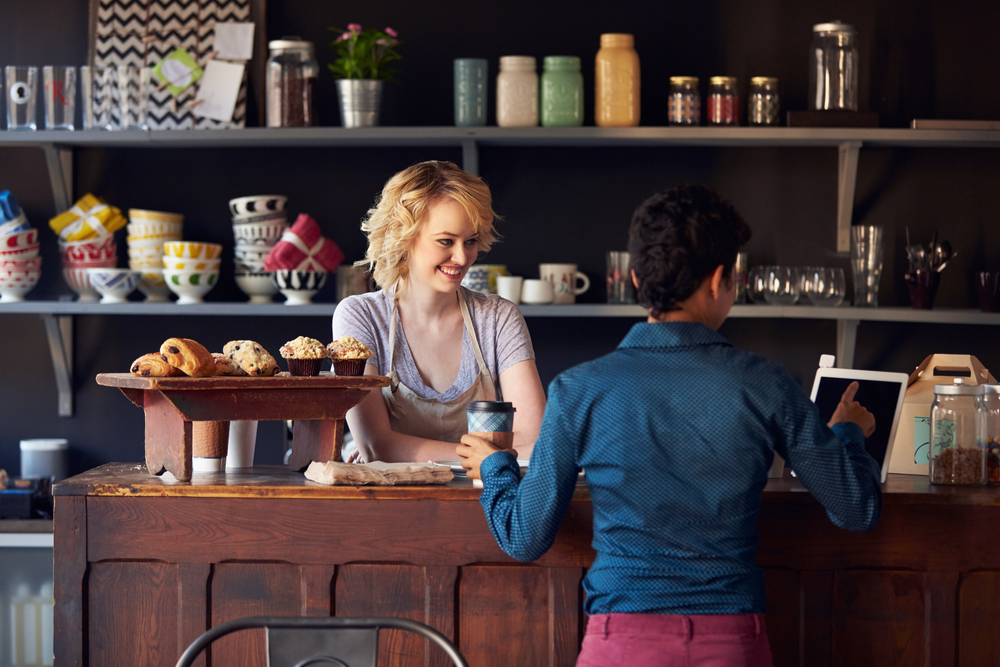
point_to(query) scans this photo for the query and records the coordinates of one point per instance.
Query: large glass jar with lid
(762, 102)
(562, 92)
(958, 434)
(684, 102)
(517, 92)
(291, 74)
(833, 67)
(991, 404)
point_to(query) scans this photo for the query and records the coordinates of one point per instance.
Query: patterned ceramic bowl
(145, 228)
(190, 286)
(192, 249)
(299, 287)
(33, 264)
(258, 233)
(257, 285)
(141, 215)
(19, 239)
(24, 252)
(113, 284)
(15, 284)
(185, 264)
(88, 251)
(152, 284)
(243, 207)
(79, 280)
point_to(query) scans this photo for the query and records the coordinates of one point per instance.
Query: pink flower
(346, 35)
(390, 31)
(354, 27)
(381, 42)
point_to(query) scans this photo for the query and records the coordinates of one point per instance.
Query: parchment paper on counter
(377, 473)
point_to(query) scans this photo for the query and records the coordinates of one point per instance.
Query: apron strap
(484, 372)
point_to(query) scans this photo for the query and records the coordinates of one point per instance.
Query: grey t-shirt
(503, 338)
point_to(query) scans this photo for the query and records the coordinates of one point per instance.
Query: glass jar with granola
(958, 434)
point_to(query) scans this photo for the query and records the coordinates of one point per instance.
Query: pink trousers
(659, 640)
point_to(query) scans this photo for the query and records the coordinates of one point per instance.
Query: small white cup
(536, 291)
(509, 287)
(242, 443)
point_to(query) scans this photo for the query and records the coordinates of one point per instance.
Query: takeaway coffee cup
(493, 421)
(209, 444)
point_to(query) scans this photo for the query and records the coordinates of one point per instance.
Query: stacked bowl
(20, 265)
(258, 223)
(79, 256)
(191, 269)
(147, 232)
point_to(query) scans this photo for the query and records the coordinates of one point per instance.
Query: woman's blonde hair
(394, 222)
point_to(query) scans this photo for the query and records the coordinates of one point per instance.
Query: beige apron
(431, 418)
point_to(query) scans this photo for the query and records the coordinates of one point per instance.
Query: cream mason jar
(517, 92)
(616, 82)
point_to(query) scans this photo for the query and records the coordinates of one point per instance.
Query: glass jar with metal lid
(833, 67)
(291, 83)
(991, 404)
(762, 102)
(958, 434)
(723, 101)
(684, 105)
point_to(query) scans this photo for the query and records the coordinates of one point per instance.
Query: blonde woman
(441, 345)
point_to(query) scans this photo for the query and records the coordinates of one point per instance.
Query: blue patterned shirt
(676, 430)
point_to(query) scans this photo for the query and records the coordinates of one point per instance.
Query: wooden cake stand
(317, 404)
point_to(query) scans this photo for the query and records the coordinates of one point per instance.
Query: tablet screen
(877, 396)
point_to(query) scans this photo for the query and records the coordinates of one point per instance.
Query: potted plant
(362, 69)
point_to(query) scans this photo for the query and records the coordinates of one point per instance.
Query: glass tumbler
(781, 285)
(824, 286)
(619, 277)
(22, 86)
(740, 276)
(866, 263)
(60, 97)
(755, 283)
(98, 96)
(133, 96)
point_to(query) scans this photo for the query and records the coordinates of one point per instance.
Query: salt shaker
(833, 67)
(291, 83)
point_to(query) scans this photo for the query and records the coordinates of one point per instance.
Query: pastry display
(153, 365)
(304, 355)
(251, 357)
(189, 356)
(226, 366)
(348, 355)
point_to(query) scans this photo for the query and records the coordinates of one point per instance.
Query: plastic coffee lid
(833, 26)
(959, 388)
(490, 406)
(44, 445)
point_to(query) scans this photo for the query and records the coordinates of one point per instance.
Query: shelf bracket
(59, 329)
(847, 336)
(470, 156)
(60, 163)
(847, 177)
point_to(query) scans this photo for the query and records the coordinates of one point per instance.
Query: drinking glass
(824, 286)
(781, 286)
(755, 284)
(22, 83)
(60, 97)
(619, 277)
(740, 276)
(866, 263)
(98, 96)
(133, 96)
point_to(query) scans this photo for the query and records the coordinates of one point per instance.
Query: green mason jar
(562, 92)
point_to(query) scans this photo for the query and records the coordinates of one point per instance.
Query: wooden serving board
(317, 404)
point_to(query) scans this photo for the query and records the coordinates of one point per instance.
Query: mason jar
(684, 102)
(723, 101)
(762, 102)
(517, 92)
(291, 83)
(562, 92)
(616, 82)
(958, 434)
(833, 67)
(991, 403)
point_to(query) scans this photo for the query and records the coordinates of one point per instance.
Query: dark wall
(923, 59)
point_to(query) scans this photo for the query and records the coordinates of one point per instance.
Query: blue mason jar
(562, 92)
(470, 92)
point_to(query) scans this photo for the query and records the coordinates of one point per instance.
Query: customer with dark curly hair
(676, 430)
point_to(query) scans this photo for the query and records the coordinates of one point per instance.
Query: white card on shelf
(218, 90)
(234, 41)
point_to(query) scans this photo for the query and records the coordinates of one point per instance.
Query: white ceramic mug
(536, 291)
(509, 287)
(564, 279)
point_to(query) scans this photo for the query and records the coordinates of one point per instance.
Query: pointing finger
(849, 393)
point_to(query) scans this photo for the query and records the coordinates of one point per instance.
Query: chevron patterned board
(141, 33)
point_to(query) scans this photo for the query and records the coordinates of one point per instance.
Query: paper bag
(912, 444)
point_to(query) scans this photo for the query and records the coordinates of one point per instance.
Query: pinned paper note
(218, 90)
(178, 71)
(234, 41)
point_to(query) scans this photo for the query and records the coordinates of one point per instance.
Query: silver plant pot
(360, 100)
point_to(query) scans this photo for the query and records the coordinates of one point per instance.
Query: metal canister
(762, 103)
(723, 101)
(291, 83)
(684, 105)
(833, 67)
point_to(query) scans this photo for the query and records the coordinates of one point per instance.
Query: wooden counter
(144, 565)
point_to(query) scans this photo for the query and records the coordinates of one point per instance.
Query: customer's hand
(473, 451)
(849, 410)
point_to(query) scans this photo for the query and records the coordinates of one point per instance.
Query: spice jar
(958, 430)
(723, 101)
(291, 83)
(991, 404)
(562, 92)
(517, 92)
(833, 67)
(684, 105)
(616, 82)
(762, 102)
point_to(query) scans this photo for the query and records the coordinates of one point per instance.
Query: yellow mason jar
(616, 82)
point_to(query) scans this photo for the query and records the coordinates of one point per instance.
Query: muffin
(348, 356)
(304, 355)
